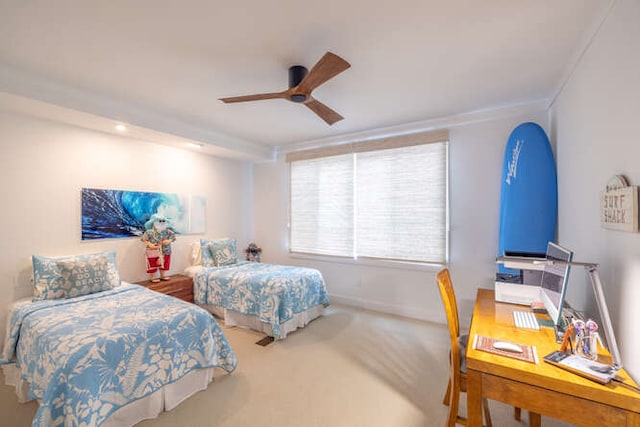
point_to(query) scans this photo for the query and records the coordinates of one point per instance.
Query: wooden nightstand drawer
(178, 286)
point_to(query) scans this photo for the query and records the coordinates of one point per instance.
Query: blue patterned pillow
(66, 277)
(219, 252)
(224, 252)
(205, 253)
(87, 277)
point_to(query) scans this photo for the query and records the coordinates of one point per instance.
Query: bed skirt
(161, 400)
(233, 318)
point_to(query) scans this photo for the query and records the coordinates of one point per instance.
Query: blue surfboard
(529, 195)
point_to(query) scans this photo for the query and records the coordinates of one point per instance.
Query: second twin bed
(273, 299)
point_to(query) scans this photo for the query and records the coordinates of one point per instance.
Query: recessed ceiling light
(121, 128)
(194, 144)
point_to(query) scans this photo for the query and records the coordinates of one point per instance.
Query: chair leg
(487, 414)
(452, 416)
(517, 413)
(447, 394)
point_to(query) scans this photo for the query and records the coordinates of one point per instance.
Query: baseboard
(395, 309)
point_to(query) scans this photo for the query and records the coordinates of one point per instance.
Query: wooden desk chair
(458, 372)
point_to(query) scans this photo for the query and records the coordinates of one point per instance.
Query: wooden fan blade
(256, 97)
(325, 113)
(329, 66)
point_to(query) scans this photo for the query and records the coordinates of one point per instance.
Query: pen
(622, 383)
(589, 340)
(579, 327)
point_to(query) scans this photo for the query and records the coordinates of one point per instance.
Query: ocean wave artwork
(108, 214)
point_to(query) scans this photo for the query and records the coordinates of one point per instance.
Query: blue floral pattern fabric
(216, 253)
(83, 274)
(205, 253)
(273, 293)
(86, 277)
(86, 357)
(224, 253)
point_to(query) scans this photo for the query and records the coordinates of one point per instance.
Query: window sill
(369, 262)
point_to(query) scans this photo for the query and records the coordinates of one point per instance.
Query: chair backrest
(451, 309)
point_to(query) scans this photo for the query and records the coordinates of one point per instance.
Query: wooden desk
(542, 388)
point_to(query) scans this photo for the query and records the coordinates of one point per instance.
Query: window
(383, 199)
(322, 206)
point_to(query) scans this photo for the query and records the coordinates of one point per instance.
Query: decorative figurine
(253, 252)
(158, 237)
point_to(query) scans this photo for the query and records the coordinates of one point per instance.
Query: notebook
(579, 365)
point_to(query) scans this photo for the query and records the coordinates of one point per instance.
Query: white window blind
(322, 206)
(383, 199)
(401, 203)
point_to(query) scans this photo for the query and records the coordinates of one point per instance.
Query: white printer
(523, 288)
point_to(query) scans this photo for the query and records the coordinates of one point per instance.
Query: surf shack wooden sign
(619, 205)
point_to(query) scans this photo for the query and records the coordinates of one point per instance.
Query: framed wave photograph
(108, 214)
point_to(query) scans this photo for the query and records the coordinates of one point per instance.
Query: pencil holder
(587, 346)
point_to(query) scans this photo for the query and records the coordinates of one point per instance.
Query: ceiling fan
(302, 83)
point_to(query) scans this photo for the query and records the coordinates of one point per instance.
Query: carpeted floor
(348, 368)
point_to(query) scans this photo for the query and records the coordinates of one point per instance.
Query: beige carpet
(348, 368)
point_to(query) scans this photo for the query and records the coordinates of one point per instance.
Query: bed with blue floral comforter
(87, 356)
(274, 294)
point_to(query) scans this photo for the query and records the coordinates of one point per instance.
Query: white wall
(594, 126)
(45, 165)
(476, 154)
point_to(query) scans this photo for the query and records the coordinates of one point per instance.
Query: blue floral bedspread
(85, 357)
(273, 293)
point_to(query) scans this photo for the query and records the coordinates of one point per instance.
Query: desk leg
(474, 398)
(535, 420)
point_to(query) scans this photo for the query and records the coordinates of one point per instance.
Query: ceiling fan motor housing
(296, 74)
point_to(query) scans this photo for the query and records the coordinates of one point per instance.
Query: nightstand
(178, 286)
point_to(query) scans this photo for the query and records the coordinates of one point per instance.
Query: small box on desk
(538, 307)
(517, 293)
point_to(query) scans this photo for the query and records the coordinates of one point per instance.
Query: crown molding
(28, 94)
(448, 122)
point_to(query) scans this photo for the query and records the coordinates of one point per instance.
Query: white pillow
(196, 254)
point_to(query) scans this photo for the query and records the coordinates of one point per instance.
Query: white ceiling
(162, 65)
